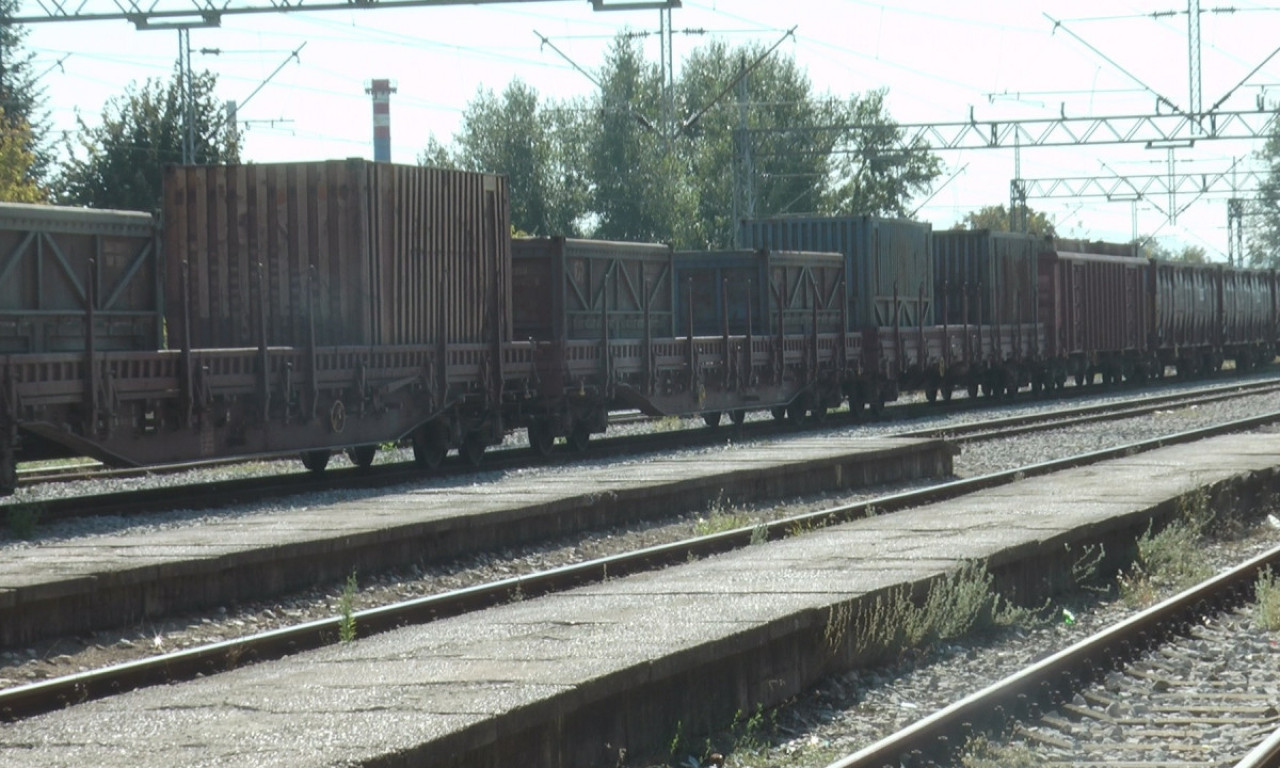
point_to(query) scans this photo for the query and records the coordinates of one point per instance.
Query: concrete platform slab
(71, 585)
(561, 680)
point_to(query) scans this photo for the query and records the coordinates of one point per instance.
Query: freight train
(313, 308)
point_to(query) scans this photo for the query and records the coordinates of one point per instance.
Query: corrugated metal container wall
(563, 285)
(52, 258)
(1186, 308)
(884, 258)
(1095, 303)
(985, 277)
(763, 277)
(442, 246)
(1246, 306)
(391, 254)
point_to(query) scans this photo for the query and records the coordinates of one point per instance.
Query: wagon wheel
(316, 460)
(818, 414)
(473, 449)
(579, 438)
(931, 392)
(779, 413)
(541, 439)
(712, 418)
(973, 389)
(429, 446)
(362, 455)
(737, 417)
(946, 393)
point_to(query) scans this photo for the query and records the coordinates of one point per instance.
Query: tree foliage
(1189, 254)
(25, 120)
(875, 172)
(996, 218)
(1264, 209)
(120, 162)
(756, 145)
(640, 188)
(748, 138)
(516, 135)
(16, 161)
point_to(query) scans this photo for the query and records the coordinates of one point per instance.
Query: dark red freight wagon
(1097, 314)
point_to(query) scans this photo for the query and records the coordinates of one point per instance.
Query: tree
(996, 217)
(640, 188)
(1264, 210)
(16, 161)
(516, 135)
(874, 171)
(120, 162)
(1190, 254)
(21, 100)
(756, 146)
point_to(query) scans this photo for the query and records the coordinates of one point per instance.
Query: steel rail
(937, 736)
(48, 695)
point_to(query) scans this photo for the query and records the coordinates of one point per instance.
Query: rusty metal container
(1094, 303)
(719, 286)
(60, 265)
(888, 263)
(366, 253)
(566, 287)
(985, 277)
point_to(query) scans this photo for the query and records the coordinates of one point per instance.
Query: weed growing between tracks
(721, 516)
(346, 605)
(954, 606)
(1172, 558)
(1267, 599)
(981, 752)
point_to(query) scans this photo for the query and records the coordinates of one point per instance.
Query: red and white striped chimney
(381, 91)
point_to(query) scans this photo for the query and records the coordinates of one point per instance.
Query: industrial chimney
(381, 91)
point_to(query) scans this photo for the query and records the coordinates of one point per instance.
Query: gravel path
(832, 720)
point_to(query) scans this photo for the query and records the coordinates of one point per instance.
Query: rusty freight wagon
(1096, 309)
(985, 300)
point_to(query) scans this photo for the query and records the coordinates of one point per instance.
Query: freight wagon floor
(60, 587)
(570, 679)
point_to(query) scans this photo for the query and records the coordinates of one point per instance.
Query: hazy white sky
(939, 60)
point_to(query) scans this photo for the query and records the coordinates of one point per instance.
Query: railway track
(1142, 692)
(209, 495)
(59, 692)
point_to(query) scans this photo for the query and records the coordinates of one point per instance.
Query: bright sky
(939, 59)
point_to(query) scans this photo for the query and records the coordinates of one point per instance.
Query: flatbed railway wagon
(311, 308)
